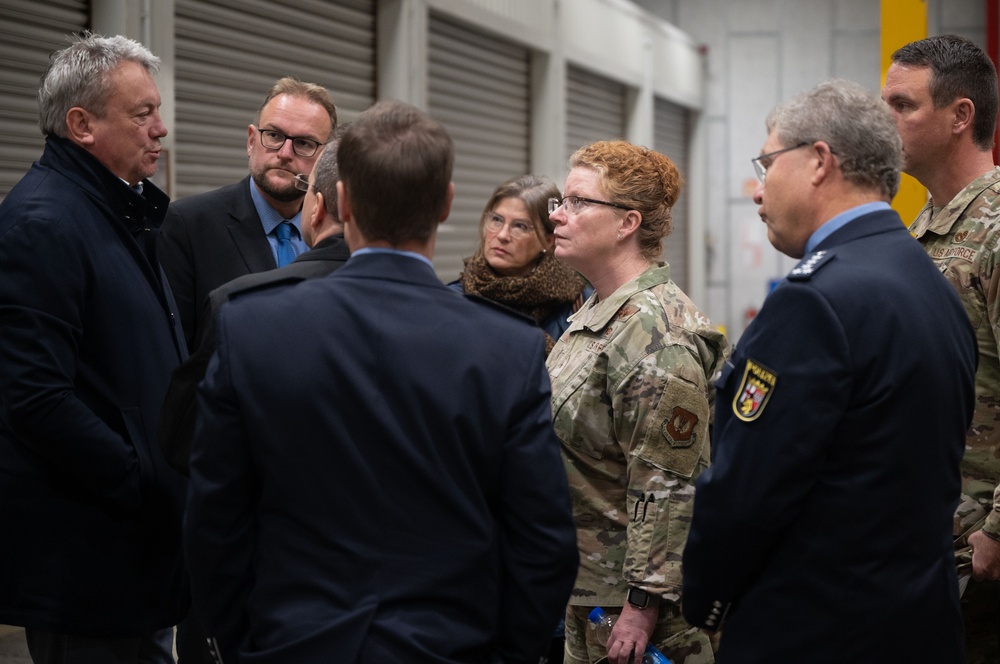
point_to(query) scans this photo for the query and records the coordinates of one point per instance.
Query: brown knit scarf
(550, 285)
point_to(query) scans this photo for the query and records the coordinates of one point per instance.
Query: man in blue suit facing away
(374, 476)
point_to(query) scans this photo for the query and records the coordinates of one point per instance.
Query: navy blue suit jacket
(822, 532)
(375, 477)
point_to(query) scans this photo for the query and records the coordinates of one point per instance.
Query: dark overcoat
(91, 512)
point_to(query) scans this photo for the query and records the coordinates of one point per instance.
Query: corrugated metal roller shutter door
(29, 32)
(595, 109)
(671, 132)
(229, 52)
(479, 92)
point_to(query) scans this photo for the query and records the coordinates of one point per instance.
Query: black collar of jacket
(137, 212)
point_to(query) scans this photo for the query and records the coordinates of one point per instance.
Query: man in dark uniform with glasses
(822, 532)
(253, 225)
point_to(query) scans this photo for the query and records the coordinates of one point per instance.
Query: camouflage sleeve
(991, 527)
(661, 422)
(989, 277)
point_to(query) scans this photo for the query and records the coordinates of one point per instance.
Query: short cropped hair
(532, 190)
(326, 172)
(855, 123)
(395, 163)
(80, 75)
(959, 69)
(293, 87)
(640, 179)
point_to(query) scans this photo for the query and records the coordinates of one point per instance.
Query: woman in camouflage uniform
(631, 386)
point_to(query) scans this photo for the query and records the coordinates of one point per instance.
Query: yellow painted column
(904, 21)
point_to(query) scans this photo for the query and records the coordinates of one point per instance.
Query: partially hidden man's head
(395, 165)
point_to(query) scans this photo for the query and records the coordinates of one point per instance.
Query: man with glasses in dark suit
(255, 224)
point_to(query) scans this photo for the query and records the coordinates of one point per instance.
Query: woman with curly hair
(631, 394)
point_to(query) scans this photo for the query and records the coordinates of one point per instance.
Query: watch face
(637, 597)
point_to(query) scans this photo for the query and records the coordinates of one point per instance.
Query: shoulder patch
(679, 428)
(754, 391)
(809, 265)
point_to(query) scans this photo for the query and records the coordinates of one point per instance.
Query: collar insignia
(809, 265)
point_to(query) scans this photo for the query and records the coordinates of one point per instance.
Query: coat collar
(135, 211)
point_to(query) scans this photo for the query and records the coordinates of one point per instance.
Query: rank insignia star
(809, 265)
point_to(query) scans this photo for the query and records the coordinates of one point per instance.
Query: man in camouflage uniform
(943, 93)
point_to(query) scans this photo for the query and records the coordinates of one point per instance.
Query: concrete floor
(13, 649)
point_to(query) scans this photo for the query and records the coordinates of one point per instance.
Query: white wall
(761, 52)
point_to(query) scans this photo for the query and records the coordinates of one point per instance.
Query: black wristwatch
(637, 597)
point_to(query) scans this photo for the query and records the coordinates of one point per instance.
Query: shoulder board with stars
(809, 265)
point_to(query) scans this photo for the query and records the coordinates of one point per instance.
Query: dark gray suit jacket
(207, 240)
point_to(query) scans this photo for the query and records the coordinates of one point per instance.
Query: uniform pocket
(581, 407)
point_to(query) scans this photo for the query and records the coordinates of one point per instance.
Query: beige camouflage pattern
(962, 238)
(631, 392)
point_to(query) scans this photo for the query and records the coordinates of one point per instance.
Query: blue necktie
(286, 253)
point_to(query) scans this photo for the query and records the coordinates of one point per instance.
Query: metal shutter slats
(595, 109)
(29, 32)
(228, 54)
(671, 136)
(478, 89)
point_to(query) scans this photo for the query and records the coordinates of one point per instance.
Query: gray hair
(80, 75)
(326, 174)
(855, 123)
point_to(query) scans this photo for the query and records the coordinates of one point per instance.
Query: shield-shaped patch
(678, 429)
(754, 392)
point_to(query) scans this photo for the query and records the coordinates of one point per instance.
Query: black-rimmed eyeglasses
(275, 140)
(574, 204)
(761, 169)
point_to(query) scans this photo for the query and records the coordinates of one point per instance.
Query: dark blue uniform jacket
(823, 530)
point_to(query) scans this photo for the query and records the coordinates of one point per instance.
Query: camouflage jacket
(962, 238)
(631, 400)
